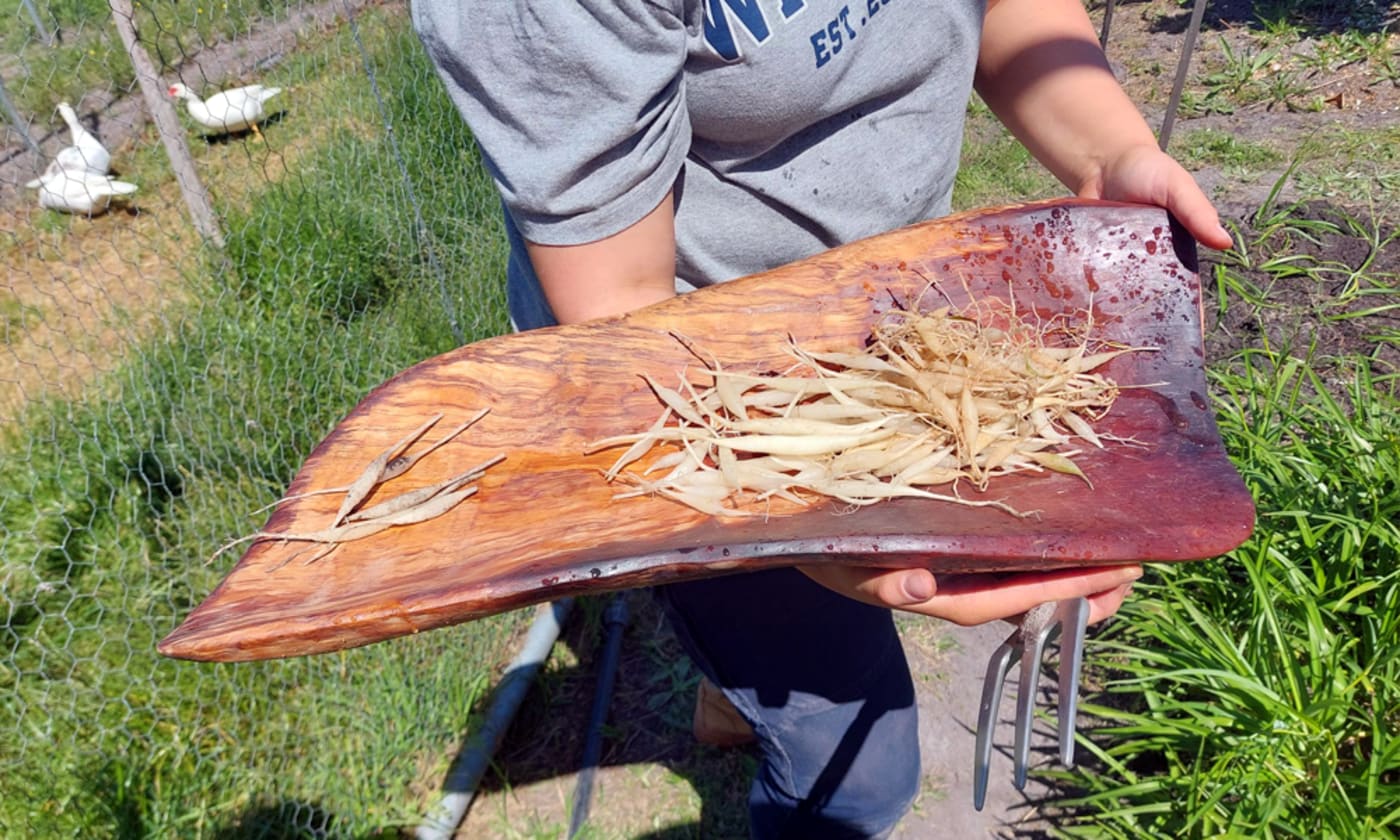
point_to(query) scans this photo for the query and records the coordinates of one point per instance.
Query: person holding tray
(644, 148)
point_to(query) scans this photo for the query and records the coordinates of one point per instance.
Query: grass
(87, 54)
(1258, 694)
(994, 166)
(1208, 147)
(112, 505)
(1356, 167)
(15, 316)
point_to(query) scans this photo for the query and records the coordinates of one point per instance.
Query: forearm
(1042, 72)
(626, 271)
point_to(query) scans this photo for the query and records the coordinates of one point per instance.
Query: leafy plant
(1239, 71)
(1259, 695)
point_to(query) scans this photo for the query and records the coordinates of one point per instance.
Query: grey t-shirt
(785, 127)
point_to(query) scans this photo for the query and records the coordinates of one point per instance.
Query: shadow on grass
(285, 820)
(648, 725)
(126, 793)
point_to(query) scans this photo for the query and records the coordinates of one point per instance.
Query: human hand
(970, 599)
(1147, 175)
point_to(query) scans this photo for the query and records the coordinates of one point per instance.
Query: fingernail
(1130, 573)
(918, 588)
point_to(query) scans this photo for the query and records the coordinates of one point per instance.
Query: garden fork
(1027, 644)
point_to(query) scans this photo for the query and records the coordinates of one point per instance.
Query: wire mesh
(156, 391)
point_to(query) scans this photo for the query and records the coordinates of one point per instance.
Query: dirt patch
(1299, 70)
(80, 297)
(653, 777)
(1319, 305)
(655, 782)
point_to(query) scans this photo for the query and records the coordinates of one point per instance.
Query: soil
(1291, 317)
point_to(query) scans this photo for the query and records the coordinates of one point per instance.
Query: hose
(615, 619)
(468, 768)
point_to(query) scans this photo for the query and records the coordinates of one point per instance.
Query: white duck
(85, 154)
(227, 111)
(79, 191)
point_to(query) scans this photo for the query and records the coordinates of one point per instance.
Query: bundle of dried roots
(933, 400)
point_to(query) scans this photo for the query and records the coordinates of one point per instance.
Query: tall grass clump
(113, 505)
(1258, 695)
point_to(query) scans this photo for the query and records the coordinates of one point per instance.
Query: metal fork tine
(1074, 623)
(1032, 651)
(1026, 646)
(997, 668)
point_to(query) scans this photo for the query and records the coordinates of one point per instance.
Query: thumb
(1191, 207)
(894, 588)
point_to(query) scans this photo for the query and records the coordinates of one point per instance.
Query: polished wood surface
(545, 523)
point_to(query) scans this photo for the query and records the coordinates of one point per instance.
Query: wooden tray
(545, 525)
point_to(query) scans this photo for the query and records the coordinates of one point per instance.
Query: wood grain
(545, 523)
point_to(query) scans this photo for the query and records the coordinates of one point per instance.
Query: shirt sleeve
(577, 105)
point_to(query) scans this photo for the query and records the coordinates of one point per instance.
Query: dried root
(935, 398)
(353, 521)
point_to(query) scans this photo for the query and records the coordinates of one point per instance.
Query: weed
(1284, 87)
(1277, 22)
(1208, 147)
(1240, 71)
(1255, 694)
(1383, 59)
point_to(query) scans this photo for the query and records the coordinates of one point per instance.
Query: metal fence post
(38, 22)
(21, 127)
(1183, 65)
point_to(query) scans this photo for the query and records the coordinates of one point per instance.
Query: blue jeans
(824, 682)
(822, 678)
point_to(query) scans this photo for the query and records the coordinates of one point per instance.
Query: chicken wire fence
(162, 377)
